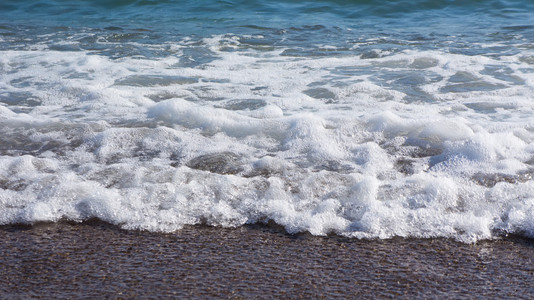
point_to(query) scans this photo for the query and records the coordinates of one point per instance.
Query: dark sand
(96, 260)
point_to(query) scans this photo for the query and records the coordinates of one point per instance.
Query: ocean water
(354, 118)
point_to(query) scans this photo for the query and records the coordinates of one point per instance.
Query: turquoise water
(423, 24)
(359, 118)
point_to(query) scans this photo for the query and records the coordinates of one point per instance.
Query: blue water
(404, 24)
(360, 118)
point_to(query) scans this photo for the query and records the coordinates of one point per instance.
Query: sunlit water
(411, 119)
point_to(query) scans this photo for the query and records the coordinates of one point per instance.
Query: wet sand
(97, 260)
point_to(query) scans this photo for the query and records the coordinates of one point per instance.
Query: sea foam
(414, 143)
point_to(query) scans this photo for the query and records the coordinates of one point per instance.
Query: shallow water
(347, 117)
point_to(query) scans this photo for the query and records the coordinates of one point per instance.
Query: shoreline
(96, 259)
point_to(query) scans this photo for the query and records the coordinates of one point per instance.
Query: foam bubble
(413, 144)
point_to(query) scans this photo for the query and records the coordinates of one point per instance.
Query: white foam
(317, 144)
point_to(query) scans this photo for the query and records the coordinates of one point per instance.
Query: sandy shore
(96, 260)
